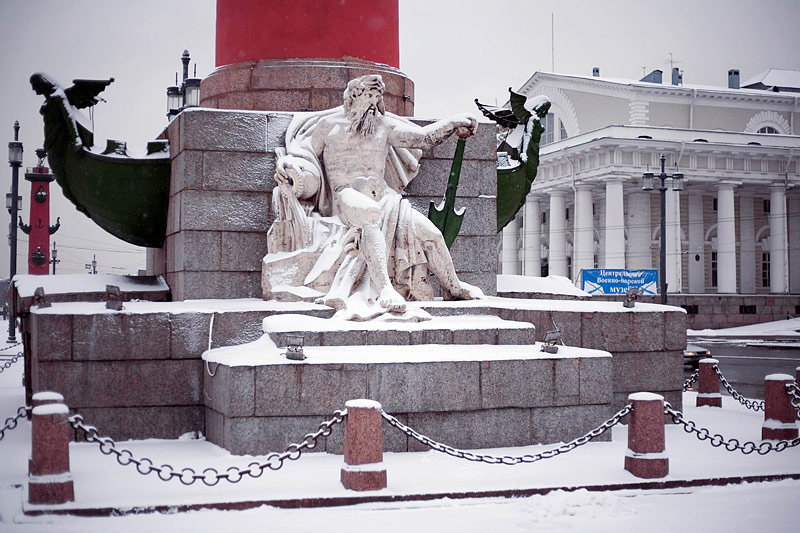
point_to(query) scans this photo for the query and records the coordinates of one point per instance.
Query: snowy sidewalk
(102, 486)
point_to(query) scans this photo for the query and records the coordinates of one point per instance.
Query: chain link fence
(508, 459)
(7, 360)
(717, 440)
(755, 405)
(12, 421)
(794, 392)
(209, 476)
(691, 380)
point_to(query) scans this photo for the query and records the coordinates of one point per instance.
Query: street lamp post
(677, 185)
(54, 257)
(12, 203)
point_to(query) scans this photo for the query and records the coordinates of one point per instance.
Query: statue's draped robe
(350, 289)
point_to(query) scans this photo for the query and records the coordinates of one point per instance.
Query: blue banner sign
(618, 281)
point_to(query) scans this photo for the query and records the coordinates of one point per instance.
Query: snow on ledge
(363, 404)
(537, 284)
(79, 283)
(51, 409)
(645, 397)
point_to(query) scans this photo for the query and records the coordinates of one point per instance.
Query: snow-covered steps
(444, 330)
(466, 395)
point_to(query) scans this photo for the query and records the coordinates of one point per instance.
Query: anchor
(445, 216)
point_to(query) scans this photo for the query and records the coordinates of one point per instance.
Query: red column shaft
(250, 30)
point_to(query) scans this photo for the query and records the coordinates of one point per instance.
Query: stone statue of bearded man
(342, 229)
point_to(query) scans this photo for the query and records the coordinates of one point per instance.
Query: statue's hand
(465, 125)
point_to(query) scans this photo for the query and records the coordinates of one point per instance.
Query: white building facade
(734, 230)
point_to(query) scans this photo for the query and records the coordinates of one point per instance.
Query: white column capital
(727, 185)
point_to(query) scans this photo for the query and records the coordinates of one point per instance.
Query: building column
(557, 255)
(726, 239)
(747, 244)
(638, 254)
(615, 225)
(697, 262)
(510, 254)
(531, 237)
(778, 249)
(583, 240)
(794, 242)
(674, 245)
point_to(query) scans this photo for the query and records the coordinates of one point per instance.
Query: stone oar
(445, 216)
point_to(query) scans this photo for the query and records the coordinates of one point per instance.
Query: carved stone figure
(343, 235)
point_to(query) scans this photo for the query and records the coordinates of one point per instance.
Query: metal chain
(731, 445)
(12, 346)
(507, 459)
(209, 476)
(691, 380)
(8, 362)
(11, 422)
(755, 405)
(794, 393)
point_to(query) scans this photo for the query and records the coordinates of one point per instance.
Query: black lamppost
(185, 95)
(12, 203)
(677, 185)
(54, 257)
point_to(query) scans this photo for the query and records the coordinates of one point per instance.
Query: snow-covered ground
(101, 482)
(786, 328)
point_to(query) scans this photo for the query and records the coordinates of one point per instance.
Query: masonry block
(483, 145)
(410, 388)
(196, 251)
(159, 422)
(615, 332)
(99, 337)
(189, 335)
(224, 211)
(230, 390)
(563, 424)
(238, 171)
(567, 382)
(235, 327)
(276, 129)
(187, 171)
(134, 383)
(51, 336)
(204, 129)
(305, 389)
(487, 428)
(223, 285)
(243, 251)
(596, 378)
(516, 383)
(653, 371)
(264, 435)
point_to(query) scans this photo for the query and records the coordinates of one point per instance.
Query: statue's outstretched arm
(404, 135)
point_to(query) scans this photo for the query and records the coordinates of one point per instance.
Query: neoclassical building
(735, 229)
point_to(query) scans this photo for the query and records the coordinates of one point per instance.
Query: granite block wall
(220, 202)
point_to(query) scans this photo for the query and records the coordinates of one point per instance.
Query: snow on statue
(343, 235)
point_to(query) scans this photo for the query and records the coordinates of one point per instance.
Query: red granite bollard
(49, 479)
(44, 398)
(779, 414)
(363, 447)
(708, 387)
(646, 455)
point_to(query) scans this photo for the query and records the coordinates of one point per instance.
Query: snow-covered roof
(668, 86)
(776, 77)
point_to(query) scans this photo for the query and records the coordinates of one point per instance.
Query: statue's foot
(336, 303)
(391, 300)
(464, 291)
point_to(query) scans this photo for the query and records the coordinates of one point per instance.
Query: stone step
(462, 329)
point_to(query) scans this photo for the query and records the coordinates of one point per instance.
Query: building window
(566, 213)
(563, 131)
(767, 206)
(747, 309)
(714, 205)
(767, 129)
(549, 130)
(544, 218)
(713, 269)
(545, 267)
(765, 269)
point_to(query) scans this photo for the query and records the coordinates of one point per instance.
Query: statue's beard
(364, 123)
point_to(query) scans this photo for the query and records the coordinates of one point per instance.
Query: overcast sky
(454, 50)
